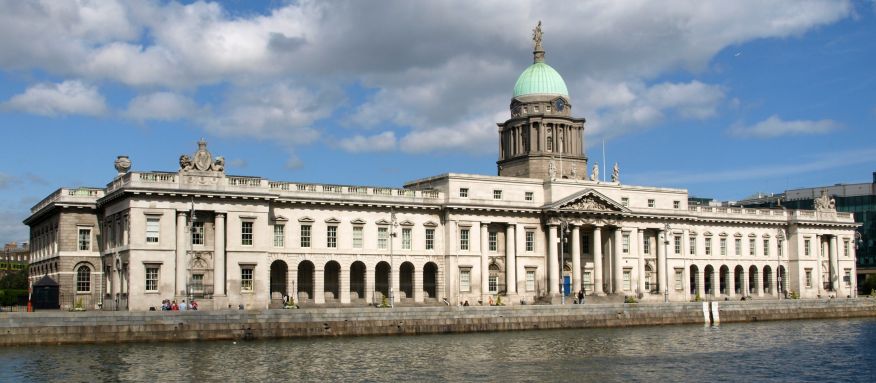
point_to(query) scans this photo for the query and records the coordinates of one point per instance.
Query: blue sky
(724, 99)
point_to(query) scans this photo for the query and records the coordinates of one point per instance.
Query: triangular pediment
(588, 200)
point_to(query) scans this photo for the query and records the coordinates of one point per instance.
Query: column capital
(182, 213)
(220, 215)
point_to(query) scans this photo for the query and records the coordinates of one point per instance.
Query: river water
(791, 351)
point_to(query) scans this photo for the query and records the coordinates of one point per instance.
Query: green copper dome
(540, 78)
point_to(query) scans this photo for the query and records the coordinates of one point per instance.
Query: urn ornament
(123, 164)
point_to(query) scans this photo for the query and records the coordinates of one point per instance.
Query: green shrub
(630, 299)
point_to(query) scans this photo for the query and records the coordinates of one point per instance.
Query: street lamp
(393, 224)
(564, 229)
(779, 286)
(859, 243)
(666, 263)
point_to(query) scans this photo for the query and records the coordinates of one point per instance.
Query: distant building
(858, 199)
(14, 258)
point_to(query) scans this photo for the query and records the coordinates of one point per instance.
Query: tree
(16, 280)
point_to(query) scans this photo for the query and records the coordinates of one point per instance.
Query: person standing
(581, 297)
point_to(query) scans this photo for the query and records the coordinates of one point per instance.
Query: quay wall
(112, 327)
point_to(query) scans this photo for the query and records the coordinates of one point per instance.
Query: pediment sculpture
(590, 203)
(824, 202)
(202, 160)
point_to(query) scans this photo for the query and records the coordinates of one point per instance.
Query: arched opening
(724, 280)
(83, 279)
(767, 279)
(357, 280)
(332, 281)
(650, 286)
(406, 280)
(567, 280)
(738, 281)
(305, 281)
(430, 280)
(493, 279)
(753, 279)
(708, 283)
(782, 280)
(694, 279)
(381, 280)
(278, 279)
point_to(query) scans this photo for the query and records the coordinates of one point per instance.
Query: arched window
(83, 279)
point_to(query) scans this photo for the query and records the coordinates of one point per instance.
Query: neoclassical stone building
(543, 227)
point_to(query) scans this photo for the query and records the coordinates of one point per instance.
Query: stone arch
(357, 280)
(406, 280)
(753, 279)
(738, 281)
(305, 281)
(694, 279)
(724, 280)
(783, 280)
(430, 280)
(381, 280)
(277, 284)
(708, 280)
(767, 279)
(332, 280)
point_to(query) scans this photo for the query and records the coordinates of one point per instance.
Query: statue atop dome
(538, 53)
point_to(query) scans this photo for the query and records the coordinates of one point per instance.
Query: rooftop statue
(615, 173)
(594, 175)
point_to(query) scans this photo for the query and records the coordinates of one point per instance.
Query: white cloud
(162, 106)
(776, 127)
(381, 142)
(68, 97)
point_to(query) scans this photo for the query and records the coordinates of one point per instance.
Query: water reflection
(835, 350)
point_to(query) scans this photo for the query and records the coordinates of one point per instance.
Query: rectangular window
(382, 238)
(586, 280)
(152, 229)
(463, 192)
(530, 241)
(847, 277)
(493, 283)
(497, 194)
(625, 243)
(279, 235)
(625, 201)
(650, 203)
(465, 280)
(628, 276)
(766, 247)
(197, 284)
(646, 245)
(677, 244)
(84, 239)
(305, 236)
(528, 196)
(723, 246)
(845, 247)
(246, 279)
(738, 248)
(530, 280)
(246, 233)
(708, 246)
(198, 233)
(430, 239)
(406, 238)
(692, 245)
(493, 241)
(781, 245)
(357, 236)
(151, 278)
(808, 278)
(806, 247)
(463, 239)
(752, 245)
(679, 273)
(676, 204)
(331, 237)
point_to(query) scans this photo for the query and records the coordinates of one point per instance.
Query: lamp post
(392, 225)
(666, 263)
(780, 237)
(564, 228)
(859, 243)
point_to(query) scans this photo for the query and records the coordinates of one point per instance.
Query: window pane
(152, 229)
(246, 233)
(305, 235)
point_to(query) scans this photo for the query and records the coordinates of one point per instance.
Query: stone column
(319, 285)
(418, 285)
(576, 259)
(759, 282)
(344, 284)
(510, 261)
(181, 248)
(835, 281)
(396, 275)
(661, 261)
(291, 275)
(485, 260)
(553, 262)
(716, 282)
(369, 284)
(618, 263)
(745, 284)
(701, 282)
(641, 262)
(219, 257)
(819, 276)
(731, 282)
(597, 261)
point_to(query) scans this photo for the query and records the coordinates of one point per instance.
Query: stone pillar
(661, 261)
(510, 261)
(219, 257)
(451, 274)
(418, 285)
(835, 275)
(641, 263)
(618, 263)
(291, 274)
(485, 261)
(731, 282)
(745, 284)
(597, 261)
(759, 282)
(396, 275)
(819, 276)
(369, 284)
(344, 284)
(576, 259)
(716, 282)
(182, 245)
(319, 285)
(553, 262)
(701, 282)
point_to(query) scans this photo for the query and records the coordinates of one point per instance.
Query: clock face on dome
(560, 104)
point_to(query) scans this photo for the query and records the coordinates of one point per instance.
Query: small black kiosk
(46, 294)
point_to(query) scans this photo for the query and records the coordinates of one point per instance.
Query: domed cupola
(540, 78)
